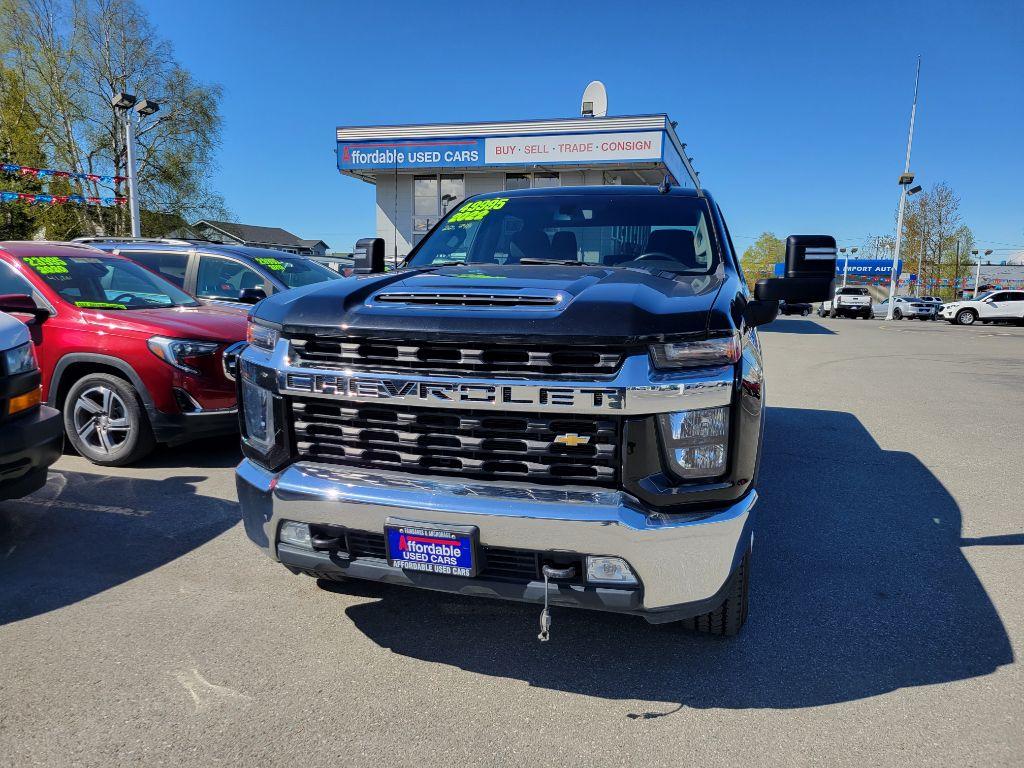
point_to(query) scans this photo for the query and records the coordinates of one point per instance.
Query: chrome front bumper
(680, 560)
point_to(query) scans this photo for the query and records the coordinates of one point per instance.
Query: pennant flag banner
(31, 199)
(44, 173)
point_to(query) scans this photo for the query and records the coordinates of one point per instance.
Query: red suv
(130, 359)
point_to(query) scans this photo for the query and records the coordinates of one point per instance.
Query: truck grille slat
(527, 361)
(466, 443)
(518, 565)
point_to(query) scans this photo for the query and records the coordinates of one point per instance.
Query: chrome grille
(454, 358)
(464, 443)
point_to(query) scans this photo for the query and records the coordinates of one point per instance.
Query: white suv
(992, 307)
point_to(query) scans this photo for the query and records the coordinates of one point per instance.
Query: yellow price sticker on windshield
(477, 209)
(47, 265)
(273, 264)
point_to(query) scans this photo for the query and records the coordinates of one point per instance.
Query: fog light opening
(609, 570)
(296, 534)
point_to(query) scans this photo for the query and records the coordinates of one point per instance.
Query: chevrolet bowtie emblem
(572, 439)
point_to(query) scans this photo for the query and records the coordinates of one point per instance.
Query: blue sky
(796, 114)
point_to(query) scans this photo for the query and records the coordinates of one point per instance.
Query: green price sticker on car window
(47, 265)
(275, 265)
(100, 305)
(477, 209)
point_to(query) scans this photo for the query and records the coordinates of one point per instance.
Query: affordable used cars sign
(562, 149)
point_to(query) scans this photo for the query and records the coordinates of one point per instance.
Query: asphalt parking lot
(138, 625)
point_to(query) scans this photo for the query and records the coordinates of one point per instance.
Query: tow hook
(550, 572)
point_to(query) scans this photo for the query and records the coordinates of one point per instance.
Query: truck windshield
(98, 282)
(663, 233)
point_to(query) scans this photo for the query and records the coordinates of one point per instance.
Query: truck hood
(205, 323)
(543, 301)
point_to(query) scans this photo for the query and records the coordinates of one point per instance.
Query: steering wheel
(128, 298)
(655, 256)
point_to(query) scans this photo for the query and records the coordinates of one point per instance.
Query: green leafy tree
(70, 57)
(936, 242)
(759, 259)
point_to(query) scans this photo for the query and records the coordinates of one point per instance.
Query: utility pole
(906, 179)
(924, 244)
(956, 271)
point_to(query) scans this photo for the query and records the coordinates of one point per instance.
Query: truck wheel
(966, 317)
(806, 312)
(728, 618)
(105, 421)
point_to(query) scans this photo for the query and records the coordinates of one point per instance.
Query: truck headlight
(720, 350)
(20, 359)
(697, 441)
(258, 410)
(261, 336)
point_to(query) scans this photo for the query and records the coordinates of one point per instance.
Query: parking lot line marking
(78, 506)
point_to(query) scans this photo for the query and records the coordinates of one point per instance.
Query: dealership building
(422, 171)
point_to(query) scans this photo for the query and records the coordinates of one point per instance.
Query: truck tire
(966, 317)
(728, 618)
(105, 421)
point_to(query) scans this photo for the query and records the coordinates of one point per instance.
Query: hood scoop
(442, 298)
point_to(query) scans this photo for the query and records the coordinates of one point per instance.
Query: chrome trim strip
(637, 389)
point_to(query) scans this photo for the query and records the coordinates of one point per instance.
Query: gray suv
(215, 273)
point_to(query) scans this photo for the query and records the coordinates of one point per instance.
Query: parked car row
(106, 343)
(991, 307)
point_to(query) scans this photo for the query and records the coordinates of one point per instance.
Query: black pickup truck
(557, 398)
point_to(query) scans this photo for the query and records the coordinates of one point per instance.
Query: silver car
(906, 307)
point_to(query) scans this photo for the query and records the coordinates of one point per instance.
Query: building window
(527, 180)
(517, 181)
(432, 197)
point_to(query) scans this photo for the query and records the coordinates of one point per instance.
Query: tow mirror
(23, 304)
(251, 295)
(759, 312)
(368, 256)
(810, 271)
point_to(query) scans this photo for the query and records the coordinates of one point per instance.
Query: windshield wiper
(560, 262)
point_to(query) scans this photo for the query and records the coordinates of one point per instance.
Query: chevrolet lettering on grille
(459, 393)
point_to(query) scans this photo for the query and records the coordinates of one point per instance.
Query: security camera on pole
(906, 179)
(123, 102)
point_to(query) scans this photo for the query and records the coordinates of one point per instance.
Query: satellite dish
(595, 100)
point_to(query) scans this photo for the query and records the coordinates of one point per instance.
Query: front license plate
(447, 549)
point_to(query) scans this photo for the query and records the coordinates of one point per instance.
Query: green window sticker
(477, 209)
(477, 276)
(47, 265)
(275, 265)
(100, 305)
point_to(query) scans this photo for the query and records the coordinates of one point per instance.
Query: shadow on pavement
(850, 598)
(85, 533)
(793, 325)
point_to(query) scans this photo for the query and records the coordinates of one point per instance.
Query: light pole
(846, 262)
(924, 239)
(124, 102)
(977, 272)
(906, 179)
